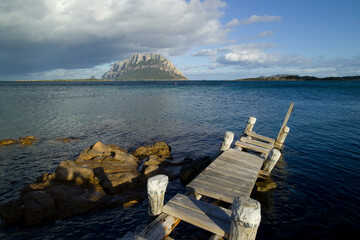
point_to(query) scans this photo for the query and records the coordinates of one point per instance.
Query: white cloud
(42, 35)
(253, 19)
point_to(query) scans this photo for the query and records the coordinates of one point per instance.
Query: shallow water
(318, 177)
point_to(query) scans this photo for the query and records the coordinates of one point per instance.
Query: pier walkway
(229, 178)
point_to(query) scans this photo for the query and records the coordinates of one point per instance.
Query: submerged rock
(27, 140)
(265, 185)
(9, 141)
(23, 140)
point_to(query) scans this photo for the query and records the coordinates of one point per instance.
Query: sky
(206, 40)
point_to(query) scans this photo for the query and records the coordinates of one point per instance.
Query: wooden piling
(280, 141)
(250, 125)
(156, 187)
(271, 160)
(245, 219)
(228, 139)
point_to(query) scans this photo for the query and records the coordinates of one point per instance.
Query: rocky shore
(102, 176)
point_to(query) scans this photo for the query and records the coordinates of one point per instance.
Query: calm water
(318, 178)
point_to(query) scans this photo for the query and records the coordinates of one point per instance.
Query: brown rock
(39, 206)
(7, 142)
(69, 171)
(12, 212)
(265, 185)
(27, 140)
(159, 149)
(153, 160)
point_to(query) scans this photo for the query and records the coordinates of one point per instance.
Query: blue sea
(318, 178)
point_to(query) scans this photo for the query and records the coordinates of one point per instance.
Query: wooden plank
(244, 154)
(211, 192)
(249, 164)
(251, 147)
(211, 224)
(219, 173)
(287, 116)
(257, 143)
(242, 157)
(163, 225)
(229, 185)
(236, 170)
(201, 207)
(261, 137)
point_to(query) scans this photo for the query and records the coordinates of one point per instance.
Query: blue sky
(214, 39)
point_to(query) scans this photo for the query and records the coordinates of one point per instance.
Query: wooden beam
(252, 147)
(257, 143)
(261, 137)
(287, 116)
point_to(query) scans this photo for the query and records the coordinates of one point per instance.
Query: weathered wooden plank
(261, 137)
(233, 169)
(238, 163)
(215, 192)
(219, 173)
(244, 155)
(224, 184)
(201, 207)
(211, 224)
(251, 147)
(163, 225)
(287, 116)
(257, 143)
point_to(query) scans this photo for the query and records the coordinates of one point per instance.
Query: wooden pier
(229, 178)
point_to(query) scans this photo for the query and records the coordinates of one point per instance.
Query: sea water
(318, 193)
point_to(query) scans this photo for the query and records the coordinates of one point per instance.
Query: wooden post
(271, 160)
(156, 187)
(245, 219)
(228, 139)
(250, 124)
(280, 141)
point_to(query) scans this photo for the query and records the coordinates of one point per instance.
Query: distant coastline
(284, 77)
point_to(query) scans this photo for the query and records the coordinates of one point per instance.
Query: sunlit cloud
(253, 19)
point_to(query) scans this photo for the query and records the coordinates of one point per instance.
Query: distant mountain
(144, 67)
(287, 77)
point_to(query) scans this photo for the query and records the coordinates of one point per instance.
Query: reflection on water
(317, 178)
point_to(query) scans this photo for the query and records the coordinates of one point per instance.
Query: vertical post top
(247, 211)
(157, 183)
(274, 155)
(252, 120)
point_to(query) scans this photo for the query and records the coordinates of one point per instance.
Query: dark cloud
(39, 35)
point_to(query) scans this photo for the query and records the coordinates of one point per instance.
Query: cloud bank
(253, 19)
(41, 35)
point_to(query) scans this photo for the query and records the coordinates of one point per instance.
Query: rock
(144, 67)
(12, 212)
(189, 171)
(159, 149)
(265, 185)
(153, 160)
(39, 206)
(69, 171)
(91, 181)
(8, 141)
(27, 140)
(150, 170)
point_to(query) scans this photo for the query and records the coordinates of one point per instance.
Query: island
(139, 67)
(287, 77)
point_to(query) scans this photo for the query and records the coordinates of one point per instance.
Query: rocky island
(144, 67)
(288, 77)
